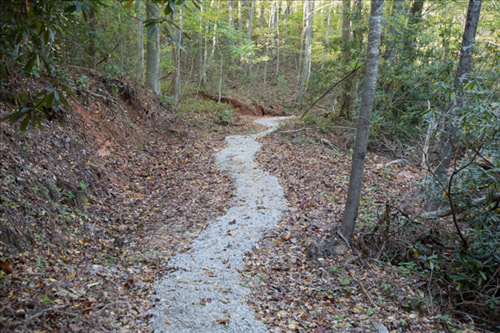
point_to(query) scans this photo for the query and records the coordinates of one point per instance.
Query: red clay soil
(241, 108)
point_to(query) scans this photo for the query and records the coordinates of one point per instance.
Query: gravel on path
(204, 293)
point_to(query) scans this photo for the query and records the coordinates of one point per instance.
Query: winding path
(205, 294)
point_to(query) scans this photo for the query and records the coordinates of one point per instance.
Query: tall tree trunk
(346, 99)
(153, 49)
(357, 43)
(277, 41)
(287, 12)
(327, 35)
(463, 69)
(92, 36)
(250, 14)
(140, 46)
(306, 68)
(200, 48)
(240, 16)
(120, 41)
(363, 127)
(301, 30)
(177, 91)
(230, 5)
(390, 51)
(261, 16)
(446, 40)
(415, 16)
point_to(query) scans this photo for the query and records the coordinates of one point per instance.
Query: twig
(296, 130)
(362, 288)
(106, 306)
(39, 313)
(311, 128)
(343, 238)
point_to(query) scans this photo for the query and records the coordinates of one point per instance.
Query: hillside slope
(92, 206)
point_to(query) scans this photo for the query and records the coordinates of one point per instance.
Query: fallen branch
(447, 211)
(362, 288)
(39, 313)
(330, 89)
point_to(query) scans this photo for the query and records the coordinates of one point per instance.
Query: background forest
(305, 58)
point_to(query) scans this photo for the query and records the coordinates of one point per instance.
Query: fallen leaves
(291, 292)
(102, 203)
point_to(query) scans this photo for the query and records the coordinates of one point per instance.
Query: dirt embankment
(91, 206)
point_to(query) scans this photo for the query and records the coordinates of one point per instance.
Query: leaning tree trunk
(463, 69)
(153, 50)
(363, 127)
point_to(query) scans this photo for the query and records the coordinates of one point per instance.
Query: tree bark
(140, 46)
(277, 40)
(306, 65)
(463, 69)
(92, 36)
(261, 24)
(250, 13)
(410, 38)
(363, 126)
(240, 16)
(390, 51)
(153, 50)
(230, 5)
(177, 91)
(327, 36)
(346, 99)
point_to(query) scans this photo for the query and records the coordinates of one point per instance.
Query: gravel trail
(204, 293)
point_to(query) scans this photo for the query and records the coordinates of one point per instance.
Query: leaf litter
(294, 292)
(92, 207)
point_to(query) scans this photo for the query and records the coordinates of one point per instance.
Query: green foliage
(226, 116)
(322, 122)
(31, 38)
(223, 113)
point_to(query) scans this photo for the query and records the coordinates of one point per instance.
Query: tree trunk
(120, 41)
(363, 127)
(277, 41)
(153, 50)
(357, 43)
(92, 36)
(240, 16)
(177, 91)
(250, 12)
(261, 24)
(463, 69)
(446, 40)
(230, 5)
(140, 46)
(306, 66)
(327, 36)
(346, 104)
(410, 38)
(390, 51)
(287, 12)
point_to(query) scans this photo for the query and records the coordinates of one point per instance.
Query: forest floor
(93, 208)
